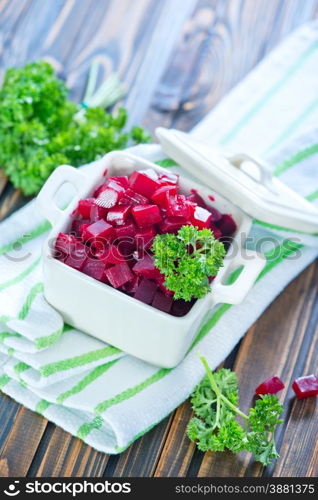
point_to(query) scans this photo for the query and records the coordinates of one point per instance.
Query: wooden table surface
(178, 58)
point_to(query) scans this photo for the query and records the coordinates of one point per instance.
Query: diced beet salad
(111, 233)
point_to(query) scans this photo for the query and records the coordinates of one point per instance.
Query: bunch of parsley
(41, 129)
(215, 427)
(188, 259)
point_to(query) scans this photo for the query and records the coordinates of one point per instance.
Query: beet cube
(172, 224)
(132, 198)
(115, 185)
(217, 233)
(108, 198)
(111, 255)
(131, 286)
(180, 307)
(99, 190)
(271, 385)
(172, 179)
(59, 255)
(122, 180)
(226, 225)
(95, 269)
(146, 291)
(77, 224)
(89, 210)
(162, 302)
(111, 183)
(83, 227)
(305, 387)
(64, 243)
(99, 230)
(126, 231)
(146, 215)
(216, 215)
(118, 215)
(119, 274)
(201, 218)
(150, 172)
(177, 206)
(192, 208)
(143, 184)
(194, 197)
(160, 195)
(77, 256)
(97, 212)
(144, 238)
(76, 262)
(84, 207)
(127, 247)
(146, 268)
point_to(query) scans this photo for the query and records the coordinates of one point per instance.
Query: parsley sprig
(215, 426)
(41, 129)
(187, 259)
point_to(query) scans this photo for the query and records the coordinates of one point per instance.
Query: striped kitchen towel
(97, 392)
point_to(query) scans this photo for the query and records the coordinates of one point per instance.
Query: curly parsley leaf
(215, 427)
(41, 129)
(188, 259)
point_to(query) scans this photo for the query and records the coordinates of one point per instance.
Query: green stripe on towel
(47, 340)
(85, 429)
(132, 391)
(88, 379)
(21, 367)
(35, 290)
(42, 406)
(40, 342)
(296, 158)
(4, 379)
(313, 196)
(281, 228)
(5, 335)
(21, 276)
(37, 231)
(76, 361)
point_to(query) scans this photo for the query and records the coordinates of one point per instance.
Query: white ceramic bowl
(112, 316)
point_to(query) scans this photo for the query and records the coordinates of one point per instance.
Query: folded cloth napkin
(99, 393)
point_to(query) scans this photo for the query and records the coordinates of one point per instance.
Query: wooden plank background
(178, 58)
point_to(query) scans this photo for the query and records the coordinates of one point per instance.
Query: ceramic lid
(244, 180)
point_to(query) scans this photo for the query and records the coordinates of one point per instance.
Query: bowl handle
(234, 293)
(61, 175)
(266, 174)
